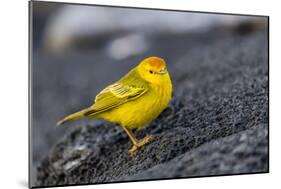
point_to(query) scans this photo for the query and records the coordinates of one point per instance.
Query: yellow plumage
(133, 101)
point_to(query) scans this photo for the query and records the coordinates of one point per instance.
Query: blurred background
(77, 50)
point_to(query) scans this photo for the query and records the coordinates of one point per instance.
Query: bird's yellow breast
(139, 112)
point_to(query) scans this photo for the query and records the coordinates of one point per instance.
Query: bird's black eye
(150, 71)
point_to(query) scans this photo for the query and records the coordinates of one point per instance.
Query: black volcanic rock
(217, 122)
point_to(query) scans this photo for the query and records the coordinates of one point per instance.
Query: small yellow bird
(133, 101)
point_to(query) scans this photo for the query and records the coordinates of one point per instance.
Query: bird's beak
(163, 71)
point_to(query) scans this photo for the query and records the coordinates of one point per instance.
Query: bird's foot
(141, 143)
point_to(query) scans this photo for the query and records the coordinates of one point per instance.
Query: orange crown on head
(156, 62)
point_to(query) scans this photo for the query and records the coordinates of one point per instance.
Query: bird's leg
(137, 143)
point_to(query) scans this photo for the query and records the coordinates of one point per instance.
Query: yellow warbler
(133, 101)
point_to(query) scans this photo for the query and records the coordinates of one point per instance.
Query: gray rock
(216, 123)
(223, 156)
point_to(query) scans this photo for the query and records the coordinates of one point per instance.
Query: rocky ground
(216, 124)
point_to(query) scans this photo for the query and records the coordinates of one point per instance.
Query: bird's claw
(140, 143)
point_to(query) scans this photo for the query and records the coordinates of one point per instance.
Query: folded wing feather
(114, 95)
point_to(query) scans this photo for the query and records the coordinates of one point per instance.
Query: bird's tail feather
(73, 116)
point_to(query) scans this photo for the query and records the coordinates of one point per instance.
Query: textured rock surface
(216, 124)
(244, 152)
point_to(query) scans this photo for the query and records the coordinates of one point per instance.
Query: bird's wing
(115, 95)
